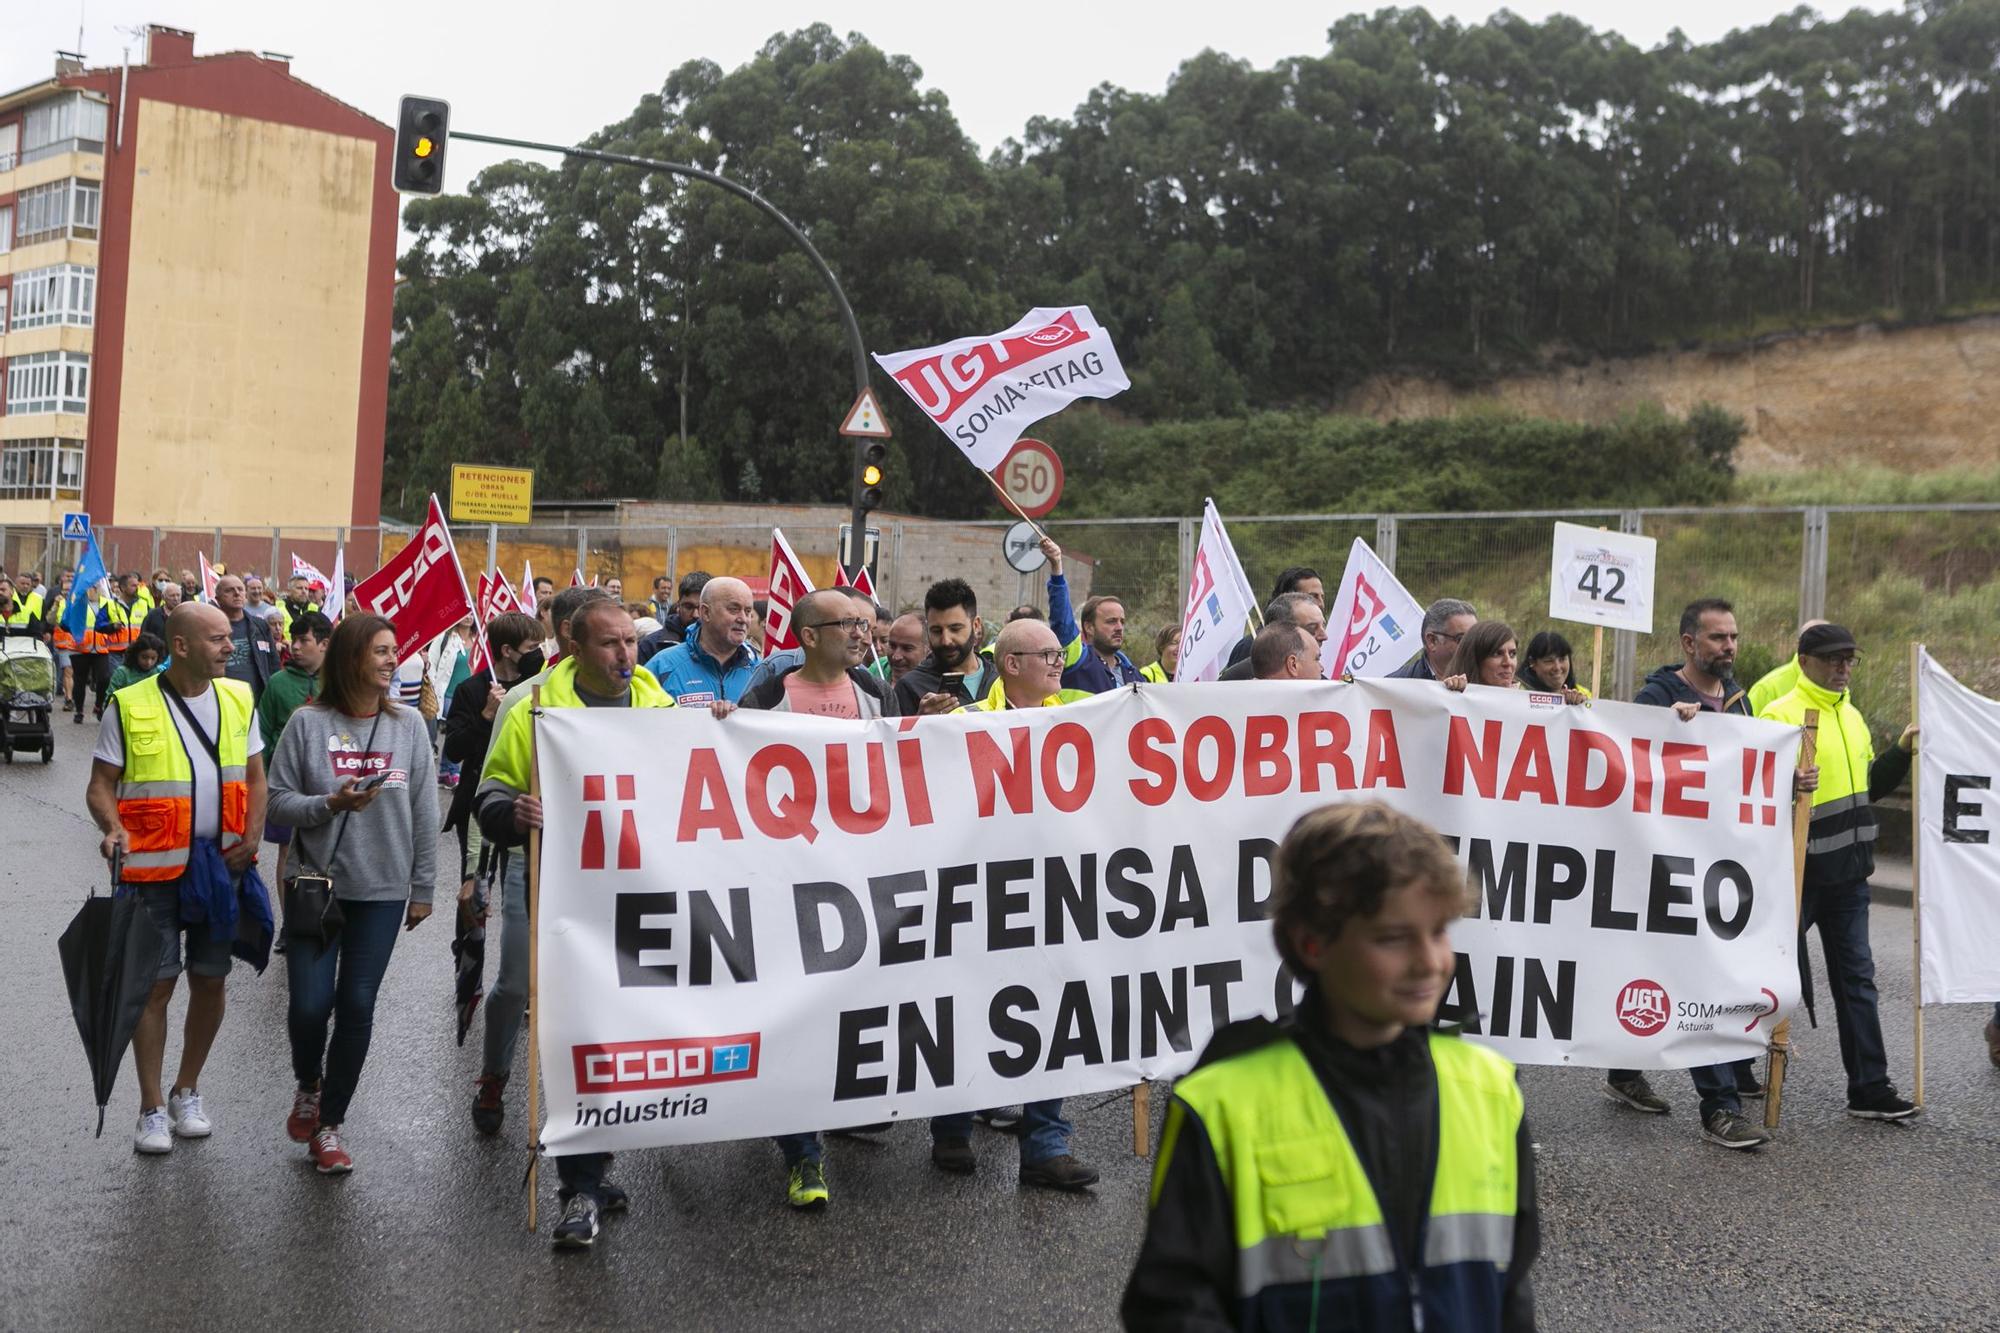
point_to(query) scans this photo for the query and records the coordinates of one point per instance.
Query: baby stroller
(27, 684)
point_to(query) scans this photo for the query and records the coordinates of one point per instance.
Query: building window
(10, 144)
(48, 382)
(58, 294)
(3, 308)
(60, 208)
(71, 124)
(33, 469)
(6, 227)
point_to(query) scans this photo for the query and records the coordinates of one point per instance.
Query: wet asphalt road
(1842, 1224)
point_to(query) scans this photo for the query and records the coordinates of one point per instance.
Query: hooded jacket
(1665, 688)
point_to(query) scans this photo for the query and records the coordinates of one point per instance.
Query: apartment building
(197, 265)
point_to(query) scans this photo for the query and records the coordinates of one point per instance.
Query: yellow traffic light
(871, 475)
(423, 148)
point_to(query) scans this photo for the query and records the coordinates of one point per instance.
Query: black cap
(1827, 641)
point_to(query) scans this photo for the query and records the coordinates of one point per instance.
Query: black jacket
(661, 639)
(771, 691)
(1185, 1276)
(1417, 668)
(468, 731)
(264, 659)
(927, 678)
(1664, 688)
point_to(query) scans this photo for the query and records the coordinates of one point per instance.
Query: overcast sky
(559, 71)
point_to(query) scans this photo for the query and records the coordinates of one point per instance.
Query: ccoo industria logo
(665, 1062)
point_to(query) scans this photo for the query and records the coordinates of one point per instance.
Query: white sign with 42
(1602, 578)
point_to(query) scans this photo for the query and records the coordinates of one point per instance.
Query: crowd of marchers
(309, 736)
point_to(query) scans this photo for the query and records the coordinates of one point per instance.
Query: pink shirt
(835, 700)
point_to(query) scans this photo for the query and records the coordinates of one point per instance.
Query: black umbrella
(468, 946)
(110, 958)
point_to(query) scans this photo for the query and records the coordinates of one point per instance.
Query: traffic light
(421, 126)
(871, 469)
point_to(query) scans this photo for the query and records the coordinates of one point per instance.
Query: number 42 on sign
(1602, 578)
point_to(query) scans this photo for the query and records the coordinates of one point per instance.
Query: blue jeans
(507, 1002)
(1841, 913)
(1716, 1085)
(798, 1148)
(339, 984)
(1044, 1132)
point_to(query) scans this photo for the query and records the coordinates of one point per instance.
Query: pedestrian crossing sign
(76, 527)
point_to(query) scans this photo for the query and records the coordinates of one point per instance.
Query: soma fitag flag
(984, 391)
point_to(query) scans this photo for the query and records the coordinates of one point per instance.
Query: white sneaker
(190, 1122)
(152, 1137)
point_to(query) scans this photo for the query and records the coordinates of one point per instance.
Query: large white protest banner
(984, 391)
(1958, 852)
(1219, 603)
(1374, 626)
(776, 923)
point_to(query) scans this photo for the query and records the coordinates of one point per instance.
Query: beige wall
(249, 274)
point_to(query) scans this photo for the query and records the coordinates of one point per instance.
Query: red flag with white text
(789, 582)
(421, 587)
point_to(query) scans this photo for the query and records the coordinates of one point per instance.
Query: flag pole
(1011, 505)
(534, 1008)
(1597, 663)
(1916, 888)
(1781, 1035)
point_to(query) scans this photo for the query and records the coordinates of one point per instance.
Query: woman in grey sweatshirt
(356, 777)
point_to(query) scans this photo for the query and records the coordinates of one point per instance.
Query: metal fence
(1894, 574)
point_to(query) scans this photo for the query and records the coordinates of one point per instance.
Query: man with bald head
(1028, 658)
(1284, 651)
(253, 653)
(166, 804)
(906, 645)
(715, 662)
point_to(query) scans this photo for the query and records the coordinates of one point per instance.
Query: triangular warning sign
(865, 418)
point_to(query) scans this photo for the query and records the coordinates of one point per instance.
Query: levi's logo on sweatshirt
(349, 760)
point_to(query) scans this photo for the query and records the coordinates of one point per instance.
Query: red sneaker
(304, 1119)
(329, 1157)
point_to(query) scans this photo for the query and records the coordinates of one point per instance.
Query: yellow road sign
(491, 494)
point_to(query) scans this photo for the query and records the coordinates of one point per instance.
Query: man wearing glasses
(1030, 662)
(1445, 623)
(1840, 856)
(833, 629)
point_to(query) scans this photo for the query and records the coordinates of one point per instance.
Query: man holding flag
(91, 628)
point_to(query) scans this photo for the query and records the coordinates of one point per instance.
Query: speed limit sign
(1032, 477)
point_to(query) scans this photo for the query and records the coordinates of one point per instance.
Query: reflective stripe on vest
(156, 788)
(1304, 1210)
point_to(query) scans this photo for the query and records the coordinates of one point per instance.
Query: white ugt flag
(1958, 854)
(1219, 603)
(1373, 625)
(984, 391)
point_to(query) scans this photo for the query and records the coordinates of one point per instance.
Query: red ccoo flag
(422, 588)
(789, 582)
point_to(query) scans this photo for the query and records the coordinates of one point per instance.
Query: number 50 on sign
(1602, 578)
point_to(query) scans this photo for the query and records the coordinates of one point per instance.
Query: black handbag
(312, 912)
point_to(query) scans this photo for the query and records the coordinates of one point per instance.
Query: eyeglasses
(1049, 656)
(851, 624)
(1448, 638)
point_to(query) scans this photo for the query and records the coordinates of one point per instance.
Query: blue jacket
(1083, 669)
(687, 672)
(777, 664)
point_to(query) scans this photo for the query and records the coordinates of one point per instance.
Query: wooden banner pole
(534, 1007)
(1916, 888)
(1142, 1120)
(1781, 1035)
(1597, 663)
(1009, 501)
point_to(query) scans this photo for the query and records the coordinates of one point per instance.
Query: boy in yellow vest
(1346, 1167)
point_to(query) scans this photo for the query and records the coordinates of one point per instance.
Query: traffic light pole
(857, 544)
